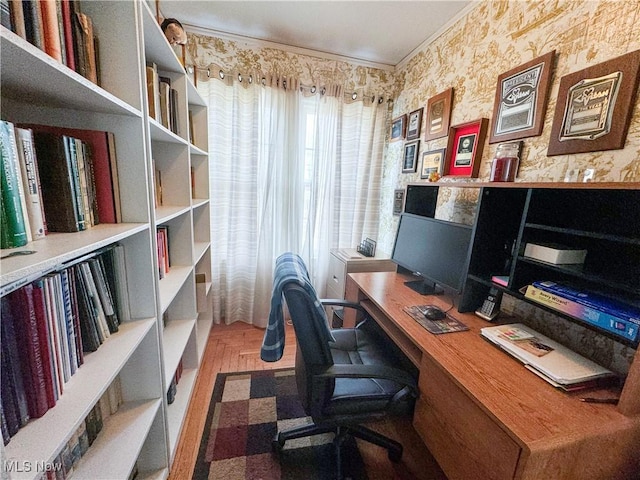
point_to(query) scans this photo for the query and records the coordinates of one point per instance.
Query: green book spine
(13, 229)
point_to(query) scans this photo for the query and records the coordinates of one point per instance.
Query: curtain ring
(250, 78)
(323, 91)
(380, 100)
(240, 77)
(221, 74)
(208, 72)
(313, 89)
(264, 81)
(284, 84)
(354, 95)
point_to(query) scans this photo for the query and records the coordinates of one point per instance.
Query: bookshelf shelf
(121, 438)
(41, 440)
(142, 355)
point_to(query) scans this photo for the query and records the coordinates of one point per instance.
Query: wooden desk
(482, 414)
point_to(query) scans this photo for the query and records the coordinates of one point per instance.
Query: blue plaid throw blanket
(289, 268)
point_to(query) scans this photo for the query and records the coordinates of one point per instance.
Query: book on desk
(558, 365)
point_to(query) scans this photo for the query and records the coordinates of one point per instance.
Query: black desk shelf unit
(604, 220)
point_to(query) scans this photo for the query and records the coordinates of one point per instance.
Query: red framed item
(464, 148)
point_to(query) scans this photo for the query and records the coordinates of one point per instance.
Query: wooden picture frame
(521, 100)
(432, 162)
(410, 157)
(438, 115)
(464, 148)
(398, 128)
(398, 201)
(594, 107)
(414, 124)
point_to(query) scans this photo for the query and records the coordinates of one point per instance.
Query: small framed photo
(398, 128)
(438, 115)
(464, 147)
(432, 163)
(595, 106)
(521, 100)
(398, 201)
(409, 160)
(415, 122)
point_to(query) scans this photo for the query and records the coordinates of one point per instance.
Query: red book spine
(32, 365)
(68, 33)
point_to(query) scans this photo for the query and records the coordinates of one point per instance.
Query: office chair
(345, 377)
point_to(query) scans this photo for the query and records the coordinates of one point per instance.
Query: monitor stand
(424, 287)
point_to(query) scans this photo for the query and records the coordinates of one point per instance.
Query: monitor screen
(435, 250)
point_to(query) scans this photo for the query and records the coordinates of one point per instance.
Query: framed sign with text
(594, 107)
(464, 148)
(398, 128)
(438, 115)
(521, 100)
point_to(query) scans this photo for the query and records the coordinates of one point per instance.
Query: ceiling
(378, 32)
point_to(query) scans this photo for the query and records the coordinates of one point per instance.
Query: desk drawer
(336, 277)
(463, 439)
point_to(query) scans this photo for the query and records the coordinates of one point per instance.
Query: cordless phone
(491, 306)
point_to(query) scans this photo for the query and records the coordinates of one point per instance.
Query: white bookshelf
(143, 354)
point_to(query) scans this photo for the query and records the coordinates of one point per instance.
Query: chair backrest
(312, 330)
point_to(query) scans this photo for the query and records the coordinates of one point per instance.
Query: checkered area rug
(245, 413)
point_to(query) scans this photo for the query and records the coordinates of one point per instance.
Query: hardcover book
(13, 231)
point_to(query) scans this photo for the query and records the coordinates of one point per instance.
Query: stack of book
(162, 99)
(47, 328)
(59, 28)
(56, 179)
(616, 316)
(162, 234)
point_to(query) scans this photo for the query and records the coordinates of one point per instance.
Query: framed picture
(594, 107)
(398, 128)
(465, 145)
(432, 163)
(409, 160)
(398, 201)
(521, 100)
(438, 115)
(415, 122)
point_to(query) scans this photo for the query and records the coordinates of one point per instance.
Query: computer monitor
(435, 250)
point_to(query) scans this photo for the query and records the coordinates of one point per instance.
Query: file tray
(548, 359)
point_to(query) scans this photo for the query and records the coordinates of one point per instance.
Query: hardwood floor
(236, 348)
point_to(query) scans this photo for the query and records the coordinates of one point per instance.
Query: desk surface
(532, 412)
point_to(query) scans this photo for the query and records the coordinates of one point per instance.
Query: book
(57, 182)
(612, 324)
(85, 33)
(67, 32)
(72, 159)
(104, 294)
(33, 23)
(88, 321)
(13, 231)
(13, 391)
(29, 342)
(153, 91)
(21, 189)
(31, 182)
(598, 301)
(46, 351)
(17, 18)
(102, 157)
(555, 253)
(501, 280)
(49, 295)
(50, 32)
(115, 272)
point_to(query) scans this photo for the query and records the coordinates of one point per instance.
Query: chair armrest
(342, 303)
(368, 371)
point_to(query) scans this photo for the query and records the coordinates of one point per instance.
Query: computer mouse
(433, 313)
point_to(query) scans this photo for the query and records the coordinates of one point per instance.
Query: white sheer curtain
(289, 172)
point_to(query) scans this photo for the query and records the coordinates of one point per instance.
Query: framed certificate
(465, 145)
(521, 100)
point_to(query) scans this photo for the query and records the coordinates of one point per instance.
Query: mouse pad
(446, 325)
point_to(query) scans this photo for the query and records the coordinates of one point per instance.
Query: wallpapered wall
(493, 38)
